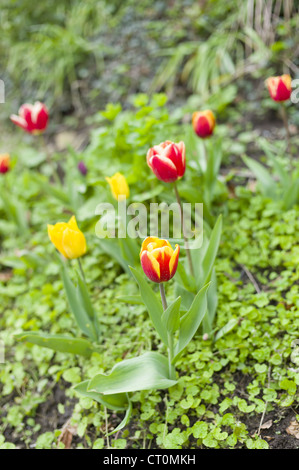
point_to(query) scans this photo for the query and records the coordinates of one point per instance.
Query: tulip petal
(173, 152)
(72, 223)
(73, 243)
(164, 169)
(150, 266)
(19, 121)
(151, 243)
(173, 263)
(55, 233)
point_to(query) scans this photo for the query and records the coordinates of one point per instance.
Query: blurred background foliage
(71, 53)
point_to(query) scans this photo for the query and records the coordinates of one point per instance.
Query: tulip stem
(50, 161)
(81, 270)
(284, 115)
(163, 296)
(183, 227)
(171, 367)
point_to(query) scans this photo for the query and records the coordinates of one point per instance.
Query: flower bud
(82, 168)
(119, 186)
(33, 118)
(280, 88)
(167, 161)
(68, 239)
(4, 163)
(203, 123)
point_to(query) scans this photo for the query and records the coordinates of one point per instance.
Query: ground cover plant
(152, 341)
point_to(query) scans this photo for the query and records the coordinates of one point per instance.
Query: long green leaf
(84, 299)
(152, 304)
(77, 308)
(171, 316)
(112, 248)
(125, 420)
(268, 185)
(210, 254)
(61, 343)
(227, 328)
(212, 299)
(291, 195)
(147, 372)
(191, 321)
(117, 401)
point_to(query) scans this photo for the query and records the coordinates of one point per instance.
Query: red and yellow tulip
(4, 163)
(68, 239)
(158, 260)
(167, 161)
(203, 123)
(280, 88)
(33, 118)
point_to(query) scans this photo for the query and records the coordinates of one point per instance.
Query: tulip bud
(33, 118)
(280, 88)
(158, 260)
(82, 168)
(68, 239)
(4, 163)
(203, 123)
(167, 161)
(119, 186)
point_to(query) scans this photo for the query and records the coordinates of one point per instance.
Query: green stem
(285, 123)
(171, 367)
(50, 161)
(163, 296)
(183, 227)
(81, 270)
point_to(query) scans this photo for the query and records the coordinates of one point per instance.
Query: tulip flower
(33, 118)
(82, 168)
(280, 88)
(167, 161)
(67, 238)
(158, 260)
(203, 123)
(119, 186)
(4, 163)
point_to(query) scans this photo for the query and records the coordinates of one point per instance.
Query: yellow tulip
(119, 186)
(67, 238)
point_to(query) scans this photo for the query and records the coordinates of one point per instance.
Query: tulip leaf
(227, 328)
(190, 322)
(130, 299)
(60, 343)
(267, 183)
(171, 316)
(185, 279)
(152, 304)
(112, 248)
(147, 372)
(129, 250)
(83, 296)
(125, 420)
(291, 195)
(210, 254)
(212, 299)
(75, 301)
(117, 401)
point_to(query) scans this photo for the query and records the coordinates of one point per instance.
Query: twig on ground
(251, 278)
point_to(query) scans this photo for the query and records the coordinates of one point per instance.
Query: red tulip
(203, 123)
(158, 260)
(4, 163)
(167, 161)
(280, 88)
(33, 118)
